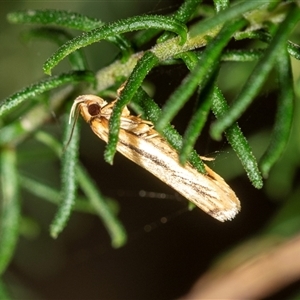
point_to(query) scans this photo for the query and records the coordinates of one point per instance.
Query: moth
(142, 144)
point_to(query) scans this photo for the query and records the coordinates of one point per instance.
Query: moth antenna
(74, 108)
(74, 113)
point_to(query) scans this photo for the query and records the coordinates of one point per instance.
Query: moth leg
(121, 88)
(145, 121)
(137, 128)
(207, 158)
(107, 109)
(152, 135)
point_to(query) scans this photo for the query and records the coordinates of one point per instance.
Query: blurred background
(169, 247)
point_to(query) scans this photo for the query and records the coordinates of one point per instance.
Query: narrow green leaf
(294, 50)
(237, 141)
(233, 134)
(52, 195)
(221, 4)
(68, 193)
(197, 121)
(100, 204)
(106, 31)
(66, 19)
(200, 74)
(242, 55)
(284, 115)
(254, 35)
(142, 68)
(59, 36)
(259, 74)
(183, 15)
(42, 86)
(10, 207)
(186, 10)
(96, 204)
(227, 15)
(63, 18)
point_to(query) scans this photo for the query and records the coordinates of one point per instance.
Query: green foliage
(10, 210)
(258, 76)
(202, 47)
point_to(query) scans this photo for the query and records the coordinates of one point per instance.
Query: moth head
(88, 105)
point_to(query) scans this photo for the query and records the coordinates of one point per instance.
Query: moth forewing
(139, 142)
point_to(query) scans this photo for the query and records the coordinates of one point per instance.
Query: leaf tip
(119, 242)
(53, 232)
(109, 156)
(215, 132)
